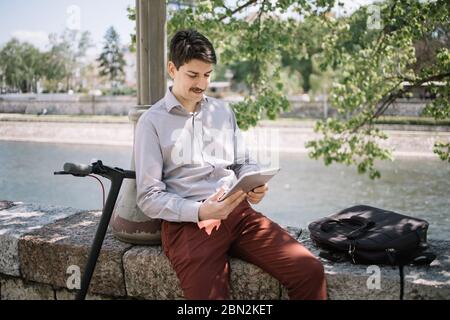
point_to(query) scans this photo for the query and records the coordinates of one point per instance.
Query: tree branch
(431, 78)
(395, 95)
(249, 3)
(258, 41)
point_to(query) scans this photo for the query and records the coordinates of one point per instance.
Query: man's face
(191, 80)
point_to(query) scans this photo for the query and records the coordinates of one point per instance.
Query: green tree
(111, 59)
(300, 57)
(58, 63)
(21, 65)
(372, 53)
(65, 59)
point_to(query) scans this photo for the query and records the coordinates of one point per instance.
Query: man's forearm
(158, 204)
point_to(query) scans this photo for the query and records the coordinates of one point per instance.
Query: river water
(304, 189)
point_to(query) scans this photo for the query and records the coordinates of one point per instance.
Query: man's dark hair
(187, 45)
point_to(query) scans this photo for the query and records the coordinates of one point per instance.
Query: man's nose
(203, 83)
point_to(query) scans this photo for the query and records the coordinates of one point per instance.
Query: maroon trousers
(199, 254)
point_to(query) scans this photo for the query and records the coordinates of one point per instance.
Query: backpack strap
(423, 258)
(420, 257)
(402, 281)
(362, 223)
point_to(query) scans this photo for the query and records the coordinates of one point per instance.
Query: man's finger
(237, 201)
(254, 199)
(256, 194)
(233, 197)
(261, 189)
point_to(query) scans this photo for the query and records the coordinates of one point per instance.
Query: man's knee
(310, 282)
(310, 272)
(314, 269)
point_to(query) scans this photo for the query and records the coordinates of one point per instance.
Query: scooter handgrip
(78, 169)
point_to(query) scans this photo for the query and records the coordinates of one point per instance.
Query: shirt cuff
(190, 211)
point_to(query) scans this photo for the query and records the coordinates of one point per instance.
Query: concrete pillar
(129, 224)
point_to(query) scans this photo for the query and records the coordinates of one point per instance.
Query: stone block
(47, 254)
(64, 294)
(249, 282)
(17, 289)
(430, 282)
(17, 219)
(149, 275)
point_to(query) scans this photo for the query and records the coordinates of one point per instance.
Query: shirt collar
(171, 101)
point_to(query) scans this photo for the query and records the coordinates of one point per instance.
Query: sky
(34, 20)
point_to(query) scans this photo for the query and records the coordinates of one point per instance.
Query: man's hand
(255, 196)
(213, 209)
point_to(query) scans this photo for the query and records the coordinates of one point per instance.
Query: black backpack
(368, 235)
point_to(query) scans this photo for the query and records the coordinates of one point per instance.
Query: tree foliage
(111, 59)
(65, 58)
(20, 65)
(373, 53)
(376, 67)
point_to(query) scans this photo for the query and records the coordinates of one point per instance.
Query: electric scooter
(116, 176)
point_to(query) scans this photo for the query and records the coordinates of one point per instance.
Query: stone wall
(120, 105)
(40, 245)
(318, 110)
(67, 105)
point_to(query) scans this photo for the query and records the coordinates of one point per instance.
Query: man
(188, 150)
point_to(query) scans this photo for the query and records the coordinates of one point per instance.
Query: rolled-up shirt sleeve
(243, 162)
(152, 197)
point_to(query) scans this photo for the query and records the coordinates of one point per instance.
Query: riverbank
(287, 135)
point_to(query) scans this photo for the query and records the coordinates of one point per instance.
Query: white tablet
(250, 181)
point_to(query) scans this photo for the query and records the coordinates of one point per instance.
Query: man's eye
(195, 76)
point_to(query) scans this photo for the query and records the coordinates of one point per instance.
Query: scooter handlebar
(78, 169)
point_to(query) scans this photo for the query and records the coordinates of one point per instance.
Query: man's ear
(171, 69)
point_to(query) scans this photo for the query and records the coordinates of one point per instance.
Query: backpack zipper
(351, 251)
